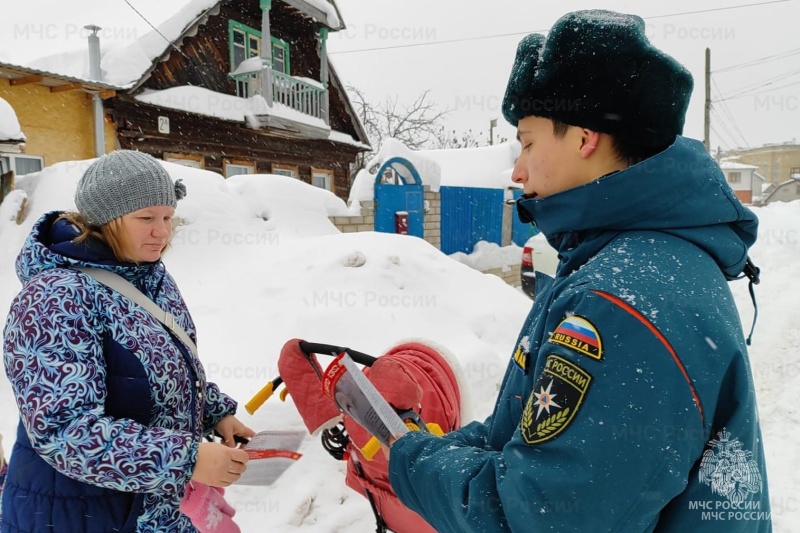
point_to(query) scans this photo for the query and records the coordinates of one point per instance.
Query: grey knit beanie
(122, 182)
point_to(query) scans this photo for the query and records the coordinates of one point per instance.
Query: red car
(526, 272)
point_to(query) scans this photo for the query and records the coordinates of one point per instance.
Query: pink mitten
(317, 410)
(207, 509)
(395, 383)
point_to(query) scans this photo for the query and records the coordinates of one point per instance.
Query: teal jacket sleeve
(600, 444)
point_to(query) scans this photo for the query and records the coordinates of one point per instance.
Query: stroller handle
(308, 348)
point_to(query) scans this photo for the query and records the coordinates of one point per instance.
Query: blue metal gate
(390, 198)
(469, 215)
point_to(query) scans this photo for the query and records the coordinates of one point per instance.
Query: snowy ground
(259, 263)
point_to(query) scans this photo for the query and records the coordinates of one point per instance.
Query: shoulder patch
(555, 400)
(521, 354)
(577, 333)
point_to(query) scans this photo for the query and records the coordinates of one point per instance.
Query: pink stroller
(414, 378)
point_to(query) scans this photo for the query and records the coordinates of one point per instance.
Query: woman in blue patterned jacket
(112, 406)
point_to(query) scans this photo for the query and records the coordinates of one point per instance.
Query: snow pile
(9, 125)
(487, 255)
(483, 166)
(258, 264)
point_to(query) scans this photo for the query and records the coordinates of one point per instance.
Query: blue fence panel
(520, 233)
(470, 215)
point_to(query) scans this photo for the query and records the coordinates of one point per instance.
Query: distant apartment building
(777, 163)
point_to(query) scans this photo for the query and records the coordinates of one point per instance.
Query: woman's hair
(111, 234)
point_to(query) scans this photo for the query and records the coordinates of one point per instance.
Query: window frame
(12, 165)
(176, 158)
(238, 163)
(280, 43)
(294, 169)
(235, 25)
(735, 178)
(323, 172)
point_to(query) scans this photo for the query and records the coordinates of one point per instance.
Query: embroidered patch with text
(555, 400)
(579, 334)
(521, 355)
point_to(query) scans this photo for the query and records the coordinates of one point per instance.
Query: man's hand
(231, 426)
(218, 465)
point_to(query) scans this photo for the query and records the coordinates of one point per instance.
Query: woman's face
(147, 231)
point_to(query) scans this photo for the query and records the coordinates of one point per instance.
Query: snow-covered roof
(759, 176)
(10, 130)
(52, 78)
(126, 67)
(331, 11)
(484, 166)
(730, 165)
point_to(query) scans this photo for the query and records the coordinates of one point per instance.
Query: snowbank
(483, 166)
(9, 124)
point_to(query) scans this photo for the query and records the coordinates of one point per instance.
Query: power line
(726, 128)
(716, 9)
(734, 130)
(724, 108)
(744, 91)
(500, 35)
(760, 92)
(727, 144)
(773, 57)
(151, 25)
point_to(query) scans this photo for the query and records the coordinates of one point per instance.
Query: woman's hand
(230, 426)
(218, 465)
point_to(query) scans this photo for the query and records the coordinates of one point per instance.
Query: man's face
(547, 164)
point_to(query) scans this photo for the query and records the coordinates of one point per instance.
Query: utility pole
(707, 123)
(492, 126)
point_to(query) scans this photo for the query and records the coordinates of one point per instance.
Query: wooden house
(232, 86)
(245, 88)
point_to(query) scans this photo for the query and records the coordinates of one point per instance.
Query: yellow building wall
(58, 126)
(773, 165)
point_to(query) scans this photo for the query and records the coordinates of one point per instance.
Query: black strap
(380, 524)
(753, 273)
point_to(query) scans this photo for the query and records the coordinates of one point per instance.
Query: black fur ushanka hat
(597, 69)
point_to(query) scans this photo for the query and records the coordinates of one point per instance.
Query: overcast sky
(389, 49)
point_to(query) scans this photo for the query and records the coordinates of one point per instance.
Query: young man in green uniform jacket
(628, 404)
